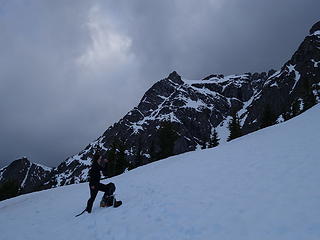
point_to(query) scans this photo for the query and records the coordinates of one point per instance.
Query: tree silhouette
(121, 163)
(295, 108)
(214, 140)
(9, 189)
(152, 151)
(167, 136)
(111, 155)
(234, 128)
(268, 117)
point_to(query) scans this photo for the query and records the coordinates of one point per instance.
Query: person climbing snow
(100, 163)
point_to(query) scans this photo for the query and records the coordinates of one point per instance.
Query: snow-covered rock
(298, 79)
(27, 175)
(195, 107)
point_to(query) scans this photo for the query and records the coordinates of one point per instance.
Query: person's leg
(108, 198)
(108, 189)
(93, 194)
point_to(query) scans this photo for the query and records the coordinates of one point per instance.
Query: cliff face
(298, 80)
(27, 175)
(195, 107)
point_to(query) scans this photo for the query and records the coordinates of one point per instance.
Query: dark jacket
(95, 173)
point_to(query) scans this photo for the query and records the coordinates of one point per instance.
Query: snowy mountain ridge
(197, 107)
(261, 186)
(203, 104)
(26, 174)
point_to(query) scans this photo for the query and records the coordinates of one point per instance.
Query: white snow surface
(235, 77)
(45, 168)
(26, 176)
(297, 76)
(276, 74)
(223, 131)
(263, 186)
(315, 63)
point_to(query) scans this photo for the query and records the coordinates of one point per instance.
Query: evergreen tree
(307, 84)
(131, 165)
(139, 157)
(111, 155)
(167, 137)
(311, 100)
(295, 108)
(205, 144)
(214, 140)
(9, 189)
(152, 152)
(121, 163)
(117, 162)
(234, 128)
(72, 180)
(268, 118)
(286, 115)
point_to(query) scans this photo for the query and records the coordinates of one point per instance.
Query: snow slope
(262, 186)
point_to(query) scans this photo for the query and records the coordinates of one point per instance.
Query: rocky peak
(175, 77)
(314, 28)
(219, 76)
(26, 174)
(20, 163)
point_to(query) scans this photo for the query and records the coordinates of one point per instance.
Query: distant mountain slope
(264, 186)
(297, 81)
(196, 107)
(25, 174)
(190, 105)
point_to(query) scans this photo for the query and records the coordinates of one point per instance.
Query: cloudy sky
(71, 68)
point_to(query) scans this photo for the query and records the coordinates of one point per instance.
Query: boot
(117, 203)
(109, 201)
(106, 201)
(113, 202)
(102, 203)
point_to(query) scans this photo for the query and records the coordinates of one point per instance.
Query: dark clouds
(70, 69)
(199, 37)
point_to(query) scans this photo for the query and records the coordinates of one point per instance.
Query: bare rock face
(29, 176)
(297, 80)
(315, 27)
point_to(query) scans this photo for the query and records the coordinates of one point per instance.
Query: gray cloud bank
(69, 69)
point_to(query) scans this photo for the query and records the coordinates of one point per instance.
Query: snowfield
(263, 186)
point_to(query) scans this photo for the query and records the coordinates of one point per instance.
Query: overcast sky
(71, 68)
